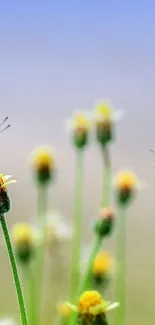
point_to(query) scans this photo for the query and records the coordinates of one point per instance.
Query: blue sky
(60, 55)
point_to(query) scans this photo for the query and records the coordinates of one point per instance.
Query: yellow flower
(80, 125)
(64, 309)
(126, 183)
(43, 162)
(43, 157)
(104, 118)
(88, 301)
(22, 233)
(80, 122)
(91, 303)
(4, 181)
(4, 198)
(126, 179)
(104, 112)
(102, 264)
(24, 241)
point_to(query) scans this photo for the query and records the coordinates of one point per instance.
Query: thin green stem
(24, 272)
(106, 179)
(14, 272)
(29, 292)
(120, 289)
(42, 215)
(76, 250)
(31, 297)
(86, 281)
(42, 203)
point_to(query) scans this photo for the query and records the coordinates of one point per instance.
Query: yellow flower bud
(80, 125)
(43, 162)
(126, 183)
(24, 241)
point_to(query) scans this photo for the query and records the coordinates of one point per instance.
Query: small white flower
(57, 229)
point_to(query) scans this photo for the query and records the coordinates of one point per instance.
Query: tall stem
(31, 297)
(120, 293)
(14, 272)
(42, 215)
(86, 281)
(87, 277)
(75, 264)
(106, 179)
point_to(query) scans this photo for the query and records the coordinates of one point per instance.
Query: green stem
(75, 264)
(14, 272)
(42, 205)
(42, 216)
(25, 286)
(120, 292)
(86, 281)
(31, 297)
(107, 179)
(87, 277)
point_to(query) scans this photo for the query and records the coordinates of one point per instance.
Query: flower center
(87, 300)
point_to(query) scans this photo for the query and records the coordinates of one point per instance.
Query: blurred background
(57, 56)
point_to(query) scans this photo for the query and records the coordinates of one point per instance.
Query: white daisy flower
(57, 229)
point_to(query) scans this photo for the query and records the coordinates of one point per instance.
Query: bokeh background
(57, 56)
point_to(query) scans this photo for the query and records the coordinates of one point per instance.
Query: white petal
(118, 115)
(7, 321)
(6, 177)
(69, 125)
(73, 307)
(112, 306)
(60, 226)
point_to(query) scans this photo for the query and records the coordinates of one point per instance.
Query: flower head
(91, 305)
(102, 264)
(43, 162)
(57, 230)
(105, 117)
(105, 222)
(4, 181)
(126, 183)
(4, 198)
(24, 240)
(80, 125)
